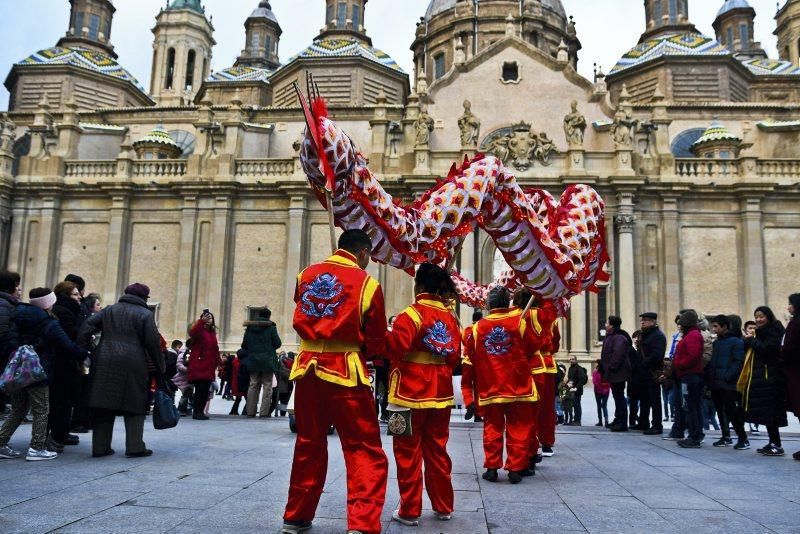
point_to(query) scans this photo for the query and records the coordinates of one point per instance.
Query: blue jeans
(666, 396)
(693, 404)
(602, 407)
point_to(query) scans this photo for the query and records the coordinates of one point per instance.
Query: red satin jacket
(497, 361)
(424, 347)
(548, 319)
(537, 333)
(340, 319)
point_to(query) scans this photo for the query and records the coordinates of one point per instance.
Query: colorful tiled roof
(347, 48)
(716, 132)
(779, 126)
(158, 136)
(82, 58)
(764, 67)
(680, 44)
(241, 73)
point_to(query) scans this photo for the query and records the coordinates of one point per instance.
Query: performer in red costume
(497, 361)
(548, 319)
(341, 322)
(424, 347)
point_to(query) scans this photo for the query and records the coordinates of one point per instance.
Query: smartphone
(206, 311)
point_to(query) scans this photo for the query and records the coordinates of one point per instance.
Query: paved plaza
(231, 474)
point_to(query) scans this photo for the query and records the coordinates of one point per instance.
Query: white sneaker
(442, 516)
(407, 521)
(9, 454)
(44, 454)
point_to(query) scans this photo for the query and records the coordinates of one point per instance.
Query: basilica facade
(194, 186)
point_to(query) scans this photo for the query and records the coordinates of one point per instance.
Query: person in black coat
(67, 310)
(9, 282)
(615, 361)
(765, 393)
(652, 348)
(790, 352)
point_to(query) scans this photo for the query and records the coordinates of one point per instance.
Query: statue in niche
(423, 127)
(623, 127)
(574, 126)
(470, 126)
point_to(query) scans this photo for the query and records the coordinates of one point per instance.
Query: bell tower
(788, 31)
(344, 19)
(666, 16)
(262, 37)
(182, 47)
(90, 26)
(734, 28)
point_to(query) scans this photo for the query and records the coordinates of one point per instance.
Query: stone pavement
(231, 474)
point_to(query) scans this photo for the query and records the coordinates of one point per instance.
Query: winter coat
(727, 359)
(181, 378)
(204, 355)
(578, 376)
(7, 305)
(790, 353)
(36, 327)
(614, 358)
(601, 387)
(119, 377)
(689, 354)
(240, 377)
(261, 340)
(68, 310)
(170, 363)
(765, 399)
(652, 347)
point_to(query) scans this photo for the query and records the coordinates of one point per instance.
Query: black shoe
(478, 419)
(200, 417)
(107, 452)
(538, 458)
(532, 466)
(140, 454)
(69, 439)
(641, 428)
(619, 428)
(490, 475)
(653, 432)
(723, 442)
(689, 443)
(80, 430)
(527, 473)
(514, 477)
(547, 451)
(772, 450)
(293, 527)
(608, 425)
(741, 445)
(598, 424)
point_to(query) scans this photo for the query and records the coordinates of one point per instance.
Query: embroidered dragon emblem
(321, 296)
(437, 340)
(497, 341)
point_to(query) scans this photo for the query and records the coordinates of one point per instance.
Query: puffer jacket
(204, 356)
(261, 340)
(38, 328)
(689, 354)
(119, 375)
(727, 359)
(765, 398)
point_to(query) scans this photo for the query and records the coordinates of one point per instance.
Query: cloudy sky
(36, 24)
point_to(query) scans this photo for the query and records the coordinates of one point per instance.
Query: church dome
(730, 5)
(439, 6)
(194, 5)
(263, 11)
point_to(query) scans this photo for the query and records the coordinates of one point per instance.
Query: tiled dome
(730, 5)
(677, 44)
(264, 10)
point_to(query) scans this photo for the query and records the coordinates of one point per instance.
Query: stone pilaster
(577, 327)
(626, 282)
(118, 243)
(753, 247)
(295, 261)
(671, 286)
(220, 252)
(183, 315)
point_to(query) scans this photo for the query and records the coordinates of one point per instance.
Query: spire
(90, 26)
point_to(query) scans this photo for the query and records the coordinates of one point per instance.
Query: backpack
(708, 347)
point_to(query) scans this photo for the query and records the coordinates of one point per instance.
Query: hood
(27, 316)
(133, 299)
(11, 300)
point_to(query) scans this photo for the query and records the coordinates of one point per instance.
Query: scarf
(745, 378)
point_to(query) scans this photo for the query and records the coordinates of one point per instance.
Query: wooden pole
(331, 221)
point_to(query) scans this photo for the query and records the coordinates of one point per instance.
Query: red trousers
(547, 411)
(430, 429)
(319, 404)
(539, 381)
(514, 420)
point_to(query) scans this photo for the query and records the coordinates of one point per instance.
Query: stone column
(626, 282)
(219, 254)
(183, 315)
(295, 262)
(468, 271)
(753, 248)
(671, 296)
(118, 238)
(577, 327)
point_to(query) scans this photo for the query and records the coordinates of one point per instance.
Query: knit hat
(44, 302)
(138, 290)
(688, 319)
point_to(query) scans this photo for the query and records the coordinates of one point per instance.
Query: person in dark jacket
(8, 301)
(261, 342)
(765, 388)
(34, 325)
(652, 349)
(67, 310)
(688, 367)
(617, 369)
(80, 283)
(579, 377)
(240, 381)
(722, 373)
(790, 352)
(120, 382)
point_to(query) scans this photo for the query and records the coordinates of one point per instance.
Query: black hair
(498, 298)
(767, 311)
(91, 300)
(477, 316)
(264, 313)
(794, 300)
(354, 241)
(77, 280)
(522, 296)
(748, 323)
(9, 282)
(614, 321)
(176, 343)
(434, 279)
(722, 320)
(38, 292)
(736, 325)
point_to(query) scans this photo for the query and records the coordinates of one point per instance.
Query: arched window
(438, 66)
(190, 70)
(78, 23)
(94, 26)
(356, 16)
(673, 11)
(682, 144)
(744, 35)
(267, 47)
(730, 37)
(657, 12)
(255, 41)
(341, 14)
(170, 77)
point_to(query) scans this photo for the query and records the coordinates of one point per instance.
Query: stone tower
(734, 28)
(90, 26)
(666, 16)
(788, 31)
(181, 52)
(262, 36)
(345, 20)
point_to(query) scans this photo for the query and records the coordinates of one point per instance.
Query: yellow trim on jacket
(394, 380)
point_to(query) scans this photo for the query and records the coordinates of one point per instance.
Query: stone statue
(423, 127)
(7, 135)
(622, 129)
(543, 148)
(574, 126)
(520, 145)
(470, 127)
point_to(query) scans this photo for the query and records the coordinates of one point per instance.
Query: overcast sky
(606, 28)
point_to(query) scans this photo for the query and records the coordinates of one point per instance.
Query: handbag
(23, 369)
(165, 414)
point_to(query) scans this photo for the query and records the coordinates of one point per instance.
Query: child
(211, 392)
(601, 392)
(567, 394)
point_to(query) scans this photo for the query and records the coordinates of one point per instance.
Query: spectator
(240, 381)
(120, 380)
(566, 395)
(578, 376)
(688, 367)
(81, 285)
(750, 329)
(67, 310)
(601, 391)
(652, 348)
(203, 361)
(616, 364)
(181, 380)
(764, 380)
(171, 360)
(261, 340)
(34, 324)
(285, 385)
(722, 373)
(667, 381)
(9, 282)
(224, 378)
(790, 352)
(636, 384)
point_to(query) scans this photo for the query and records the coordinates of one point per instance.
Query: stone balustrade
(706, 168)
(159, 167)
(776, 169)
(264, 167)
(90, 169)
